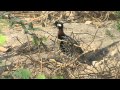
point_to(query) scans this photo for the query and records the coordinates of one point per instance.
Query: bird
(67, 44)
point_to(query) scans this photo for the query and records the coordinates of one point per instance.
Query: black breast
(68, 45)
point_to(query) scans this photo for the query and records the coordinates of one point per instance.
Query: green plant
(117, 13)
(38, 41)
(15, 20)
(27, 28)
(118, 25)
(109, 33)
(58, 77)
(22, 74)
(4, 14)
(2, 39)
(40, 76)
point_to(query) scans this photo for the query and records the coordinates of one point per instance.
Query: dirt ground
(53, 62)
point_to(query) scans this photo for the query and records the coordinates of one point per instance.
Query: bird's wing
(69, 39)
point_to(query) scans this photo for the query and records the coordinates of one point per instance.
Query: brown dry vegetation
(101, 51)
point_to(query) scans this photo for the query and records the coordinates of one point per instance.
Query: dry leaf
(52, 60)
(59, 64)
(2, 49)
(88, 22)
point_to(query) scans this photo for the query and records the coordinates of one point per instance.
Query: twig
(89, 34)
(92, 39)
(41, 66)
(19, 41)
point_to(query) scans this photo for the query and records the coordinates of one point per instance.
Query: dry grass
(53, 62)
(48, 17)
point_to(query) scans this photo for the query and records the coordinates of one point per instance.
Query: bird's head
(59, 24)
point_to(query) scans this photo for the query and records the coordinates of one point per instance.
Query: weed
(117, 13)
(2, 39)
(58, 77)
(22, 74)
(40, 76)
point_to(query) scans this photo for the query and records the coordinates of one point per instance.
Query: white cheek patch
(59, 25)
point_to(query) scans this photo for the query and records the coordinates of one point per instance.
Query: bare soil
(53, 62)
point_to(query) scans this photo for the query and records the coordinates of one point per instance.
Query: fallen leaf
(88, 22)
(52, 60)
(59, 64)
(2, 49)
